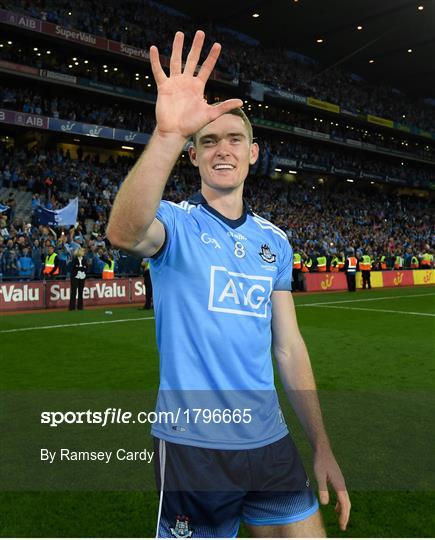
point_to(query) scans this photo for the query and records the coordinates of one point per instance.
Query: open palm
(181, 108)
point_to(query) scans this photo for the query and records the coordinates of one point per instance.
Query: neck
(229, 204)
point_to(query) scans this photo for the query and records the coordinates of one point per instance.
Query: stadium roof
(390, 28)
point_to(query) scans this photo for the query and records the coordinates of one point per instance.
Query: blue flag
(3, 208)
(58, 218)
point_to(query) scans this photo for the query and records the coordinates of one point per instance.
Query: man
(427, 259)
(398, 261)
(26, 266)
(307, 263)
(341, 261)
(414, 262)
(145, 265)
(221, 280)
(109, 266)
(334, 264)
(321, 262)
(365, 265)
(350, 267)
(297, 272)
(51, 264)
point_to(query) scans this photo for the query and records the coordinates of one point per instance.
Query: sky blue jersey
(213, 279)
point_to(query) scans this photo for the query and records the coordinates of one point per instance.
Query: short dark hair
(238, 111)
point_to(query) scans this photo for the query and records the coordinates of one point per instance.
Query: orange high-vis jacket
(352, 263)
(49, 265)
(109, 270)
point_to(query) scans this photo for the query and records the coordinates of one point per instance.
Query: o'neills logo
(99, 290)
(21, 293)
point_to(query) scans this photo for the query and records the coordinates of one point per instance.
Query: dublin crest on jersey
(266, 254)
(181, 529)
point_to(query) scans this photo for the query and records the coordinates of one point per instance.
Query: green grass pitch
(381, 343)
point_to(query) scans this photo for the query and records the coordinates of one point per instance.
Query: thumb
(224, 107)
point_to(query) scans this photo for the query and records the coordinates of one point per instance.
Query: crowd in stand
(57, 106)
(142, 23)
(317, 218)
(332, 156)
(77, 64)
(140, 118)
(342, 129)
(28, 100)
(51, 172)
(320, 219)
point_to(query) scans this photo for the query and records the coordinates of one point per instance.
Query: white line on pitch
(364, 300)
(72, 324)
(378, 310)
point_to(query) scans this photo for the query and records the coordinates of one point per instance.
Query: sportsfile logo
(240, 294)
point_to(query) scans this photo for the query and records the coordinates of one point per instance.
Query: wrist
(321, 446)
(170, 137)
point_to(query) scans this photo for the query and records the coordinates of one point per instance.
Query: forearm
(298, 380)
(138, 199)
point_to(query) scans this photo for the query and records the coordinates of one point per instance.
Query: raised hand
(181, 108)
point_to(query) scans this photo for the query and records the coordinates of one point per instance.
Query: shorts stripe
(285, 520)
(162, 458)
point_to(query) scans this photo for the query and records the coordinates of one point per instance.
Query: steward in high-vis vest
(334, 264)
(307, 265)
(414, 262)
(398, 262)
(426, 260)
(321, 263)
(365, 265)
(297, 272)
(383, 262)
(297, 261)
(109, 268)
(350, 267)
(51, 264)
(341, 262)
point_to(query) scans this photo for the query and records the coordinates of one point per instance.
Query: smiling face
(223, 151)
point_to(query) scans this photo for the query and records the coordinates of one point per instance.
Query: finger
(209, 63)
(177, 53)
(323, 488)
(224, 107)
(343, 508)
(156, 67)
(194, 53)
(324, 496)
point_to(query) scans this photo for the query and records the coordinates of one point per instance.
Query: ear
(254, 153)
(193, 155)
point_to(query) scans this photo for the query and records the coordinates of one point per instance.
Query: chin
(224, 185)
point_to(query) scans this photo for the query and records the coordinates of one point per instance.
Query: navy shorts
(206, 492)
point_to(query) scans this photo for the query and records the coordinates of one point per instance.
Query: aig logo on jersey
(241, 294)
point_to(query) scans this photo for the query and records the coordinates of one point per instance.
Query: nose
(223, 148)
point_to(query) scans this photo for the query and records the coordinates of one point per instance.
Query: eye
(208, 142)
(235, 139)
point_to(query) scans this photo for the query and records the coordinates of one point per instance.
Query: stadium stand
(330, 176)
(126, 23)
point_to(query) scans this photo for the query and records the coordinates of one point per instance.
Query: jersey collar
(198, 198)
